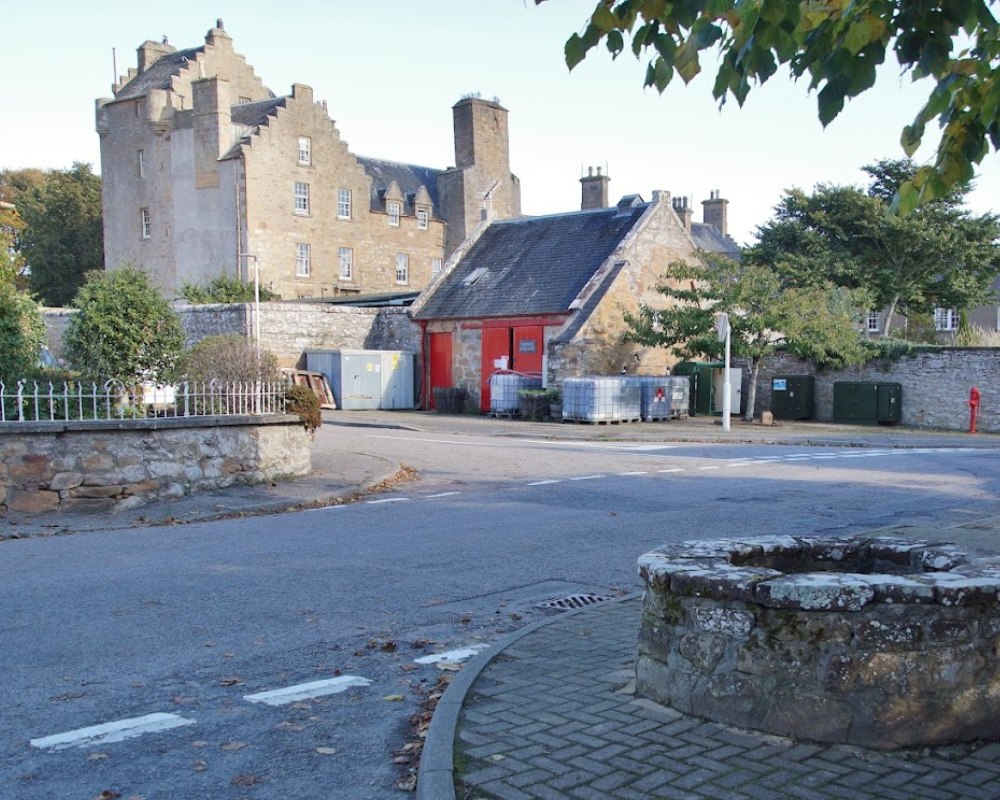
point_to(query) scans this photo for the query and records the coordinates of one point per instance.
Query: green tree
(836, 46)
(938, 256)
(125, 329)
(22, 329)
(765, 313)
(225, 290)
(63, 235)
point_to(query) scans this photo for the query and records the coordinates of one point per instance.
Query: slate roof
(409, 177)
(530, 266)
(250, 114)
(159, 73)
(708, 237)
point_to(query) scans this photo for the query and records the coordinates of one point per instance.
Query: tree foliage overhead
(837, 46)
(938, 256)
(765, 312)
(124, 330)
(225, 290)
(63, 234)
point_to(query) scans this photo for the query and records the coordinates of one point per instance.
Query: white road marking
(440, 441)
(543, 483)
(709, 467)
(442, 494)
(603, 445)
(111, 731)
(740, 464)
(307, 691)
(321, 508)
(625, 474)
(452, 656)
(388, 500)
(675, 469)
(588, 478)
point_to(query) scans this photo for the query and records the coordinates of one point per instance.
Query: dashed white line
(111, 731)
(388, 500)
(452, 656)
(544, 483)
(710, 467)
(675, 469)
(740, 464)
(588, 477)
(626, 474)
(442, 494)
(307, 691)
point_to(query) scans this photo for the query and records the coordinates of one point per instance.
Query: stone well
(883, 643)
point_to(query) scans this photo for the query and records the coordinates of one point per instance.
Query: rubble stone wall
(124, 464)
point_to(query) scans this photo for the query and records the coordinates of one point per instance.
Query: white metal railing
(48, 402)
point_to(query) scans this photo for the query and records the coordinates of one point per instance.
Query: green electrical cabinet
(867, 402)
(793, 396)
(701, 375)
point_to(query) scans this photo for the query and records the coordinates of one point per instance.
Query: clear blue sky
(391, 70)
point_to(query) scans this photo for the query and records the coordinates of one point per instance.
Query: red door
(496, 346)
(528, 349)
(440, 358)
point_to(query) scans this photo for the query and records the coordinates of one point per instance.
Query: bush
(303, 401)
(225, 290)
(230, 358)
(125, 329)
(22, 333)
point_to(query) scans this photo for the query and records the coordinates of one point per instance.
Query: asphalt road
(189, 621)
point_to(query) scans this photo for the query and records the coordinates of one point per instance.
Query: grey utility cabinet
(367, 379)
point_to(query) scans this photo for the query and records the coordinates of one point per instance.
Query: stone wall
(935, 383)
(69, 466)
(286, 329)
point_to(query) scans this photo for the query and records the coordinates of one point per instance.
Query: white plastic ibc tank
(598, 398)
(505, 390)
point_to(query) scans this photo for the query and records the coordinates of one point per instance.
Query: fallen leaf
(67, 696)
(230, 682)
(465, 620)
(409, 667)
(408, 784)
(98, 756)
(337, 673)
(245, 780)
(301, 706)
(401, 760)
(290, 726)
(393, 698)
(229, 655)
(107, 794)
(449, 666)
(183, 700)
(326, 751)
(233, 746)
(497, 757)
(209, 644)
(136, 797)
(200, 765)
(199, 743)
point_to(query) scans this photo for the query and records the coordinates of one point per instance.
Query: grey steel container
(598, 398)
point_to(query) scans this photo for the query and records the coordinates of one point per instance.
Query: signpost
(722, 327)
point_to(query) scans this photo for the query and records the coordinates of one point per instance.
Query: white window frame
(346, 257)
(244, 101)
(138, 108)
(437, 264)
(147, 223)
(301, 197)
(303, 260)
(142, 163)
(422, 218)
(945, 319)
(873, 322)
(305, 150)
(402, 269)
(343, 203)
(393, 209)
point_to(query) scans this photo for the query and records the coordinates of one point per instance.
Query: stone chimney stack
(715, 212)
(149, 51)
(595, 190)
(683, 210)
(212, 121)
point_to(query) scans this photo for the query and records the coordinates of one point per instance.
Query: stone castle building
(206, 172)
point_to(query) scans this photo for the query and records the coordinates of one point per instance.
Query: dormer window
(422, 217)
(305, 150)
(393, 211)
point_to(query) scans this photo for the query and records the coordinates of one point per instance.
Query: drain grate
(574, 601)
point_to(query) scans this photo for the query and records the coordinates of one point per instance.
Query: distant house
(548, 294)
(206, 172)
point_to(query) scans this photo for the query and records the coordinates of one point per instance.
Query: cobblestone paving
(553, 718)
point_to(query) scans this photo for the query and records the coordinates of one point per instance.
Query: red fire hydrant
(973, 408)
